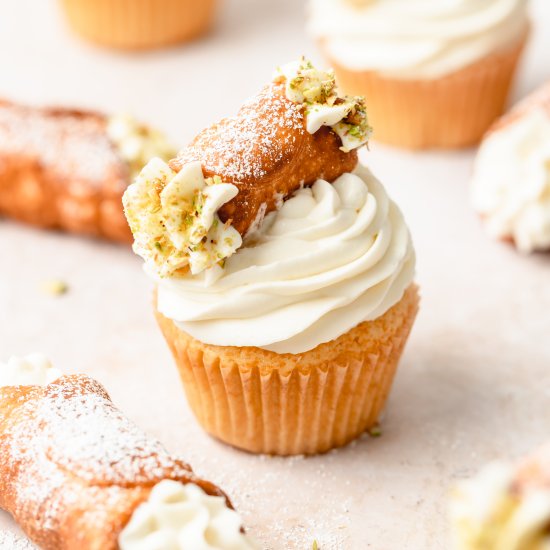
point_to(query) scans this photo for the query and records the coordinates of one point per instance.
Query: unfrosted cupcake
(139, 24)
(511, 181)
(284, 272)
(435, 74)
(505, 507)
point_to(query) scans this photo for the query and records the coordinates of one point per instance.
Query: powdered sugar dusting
(11, 541)
(68, 438)
(84, 432)
(246, 146)
(74, 143)
(297, 523)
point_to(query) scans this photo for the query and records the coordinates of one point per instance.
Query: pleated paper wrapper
(285, 404)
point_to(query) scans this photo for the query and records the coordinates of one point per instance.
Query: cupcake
(505, 507)
(139, 24)
(436, 74)
(284, 272)
(511, 181)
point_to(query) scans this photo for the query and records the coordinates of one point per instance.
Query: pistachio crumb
(375, 431)
(315, 545)
(323, 105)
(55, 287)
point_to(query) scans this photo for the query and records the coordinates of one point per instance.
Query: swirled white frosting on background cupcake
(511, 182)
(333, 256)
(415, 38)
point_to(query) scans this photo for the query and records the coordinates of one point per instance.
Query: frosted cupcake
(284, 272)
(139, 24)
(511, 181)
(436, 74)
(505, 507)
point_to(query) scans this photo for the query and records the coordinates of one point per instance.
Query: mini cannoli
(76, 474)
(67, 169)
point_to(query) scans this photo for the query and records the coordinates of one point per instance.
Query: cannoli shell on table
(73, 468)
(67, 169)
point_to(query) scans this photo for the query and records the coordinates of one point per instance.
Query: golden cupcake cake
(436, 74)
(511, 180)
(139, 24)
(284, 272)
(504, 507)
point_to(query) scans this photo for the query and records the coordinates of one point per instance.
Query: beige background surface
(474, 383)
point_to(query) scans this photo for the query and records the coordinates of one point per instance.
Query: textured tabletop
(474, 383)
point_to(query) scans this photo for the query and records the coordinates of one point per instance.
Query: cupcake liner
(287, 404)
(139, 24)
(448, 112)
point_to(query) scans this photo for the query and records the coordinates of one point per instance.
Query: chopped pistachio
(55, 287)
(315, 546)
(317, 91)
(173, 217)
(375, 431)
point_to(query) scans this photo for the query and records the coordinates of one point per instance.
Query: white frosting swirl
(32, 370)
(511, 183)
(415, 38)
(183, 517)
(332, 257)
(488, 514)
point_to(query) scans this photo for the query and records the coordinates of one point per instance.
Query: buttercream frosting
(488, 513)
(333, 256)
(179, 516)
(511, 181)
(415, 38)
(32, 370)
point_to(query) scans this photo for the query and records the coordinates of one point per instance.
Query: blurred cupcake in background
(139, 24)
(435, 74)
(511, 182)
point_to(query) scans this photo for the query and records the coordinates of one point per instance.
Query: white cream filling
(32, 370)
(333, 256)
(137, 144)
(324, 106)
(179, 516)
(415, 38)
(173, 217)
(487, 515)
(511, 182)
